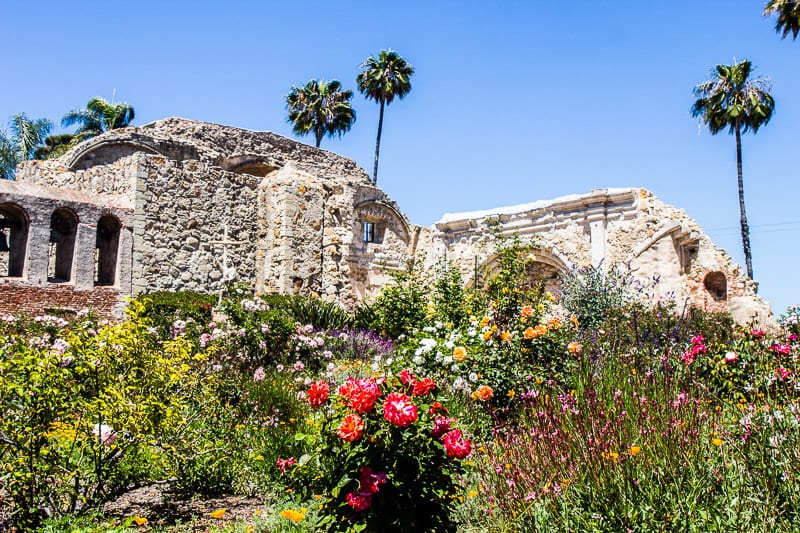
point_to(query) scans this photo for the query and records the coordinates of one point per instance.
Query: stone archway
(543, 268)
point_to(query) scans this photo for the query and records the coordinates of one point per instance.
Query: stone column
(597, 236)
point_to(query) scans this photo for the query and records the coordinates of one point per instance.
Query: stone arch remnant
(63, 229)
(13, 240)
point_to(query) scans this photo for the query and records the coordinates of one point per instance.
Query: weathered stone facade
(178, 204)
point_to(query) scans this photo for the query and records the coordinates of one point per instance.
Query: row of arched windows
(14, 223)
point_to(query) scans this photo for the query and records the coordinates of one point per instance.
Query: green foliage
(319, 313)
(98, 117)
(77, 411)
(21, 143)
(163, 308)
(590, 293)
(401, 307)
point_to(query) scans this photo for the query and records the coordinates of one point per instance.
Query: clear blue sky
(512, 101)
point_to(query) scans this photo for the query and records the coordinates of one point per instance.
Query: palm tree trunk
(745, 229)
(318, 135)
(378, 145)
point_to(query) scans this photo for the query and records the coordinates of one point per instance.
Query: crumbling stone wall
(660, 244)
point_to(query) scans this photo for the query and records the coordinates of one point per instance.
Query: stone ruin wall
(202, 204)
(626, 227)
(195, 226)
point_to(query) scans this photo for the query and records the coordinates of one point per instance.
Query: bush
(164, 308)
(590, 293)
(383, 455)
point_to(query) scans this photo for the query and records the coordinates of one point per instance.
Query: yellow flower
(574, 348)
(459, 354)
(505, 336)
(554, 323)
(574, 320)
(634, 450)
(140, 520)
(473, 493)
(294, 516)
(484, 322)
(219, 513)
(716, 442)
(487, 334)
(511, 394)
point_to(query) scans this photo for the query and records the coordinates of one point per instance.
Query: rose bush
(381, 455)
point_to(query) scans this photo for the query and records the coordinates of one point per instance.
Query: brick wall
(105, 301)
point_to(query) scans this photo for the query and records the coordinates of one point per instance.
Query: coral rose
(318, 393)
(351, 428)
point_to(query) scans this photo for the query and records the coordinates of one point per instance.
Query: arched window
(108, 229)
(63, 228)
(13, 240)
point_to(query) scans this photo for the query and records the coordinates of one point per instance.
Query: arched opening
(63, 228)
(13, 240)
(108, 230)
(717, 285)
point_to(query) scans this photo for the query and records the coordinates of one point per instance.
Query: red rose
(399, 410)
(318, 393)
(406, 376)
(455, 445)
(422, 387)
(441, 426)
(370, 479)
(359, 500)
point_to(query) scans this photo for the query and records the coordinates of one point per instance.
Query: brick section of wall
(105, 301)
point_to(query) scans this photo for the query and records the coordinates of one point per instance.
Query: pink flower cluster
(369, 481)
(698, 347)
(781, 349)
(398, 409)
(318, 393)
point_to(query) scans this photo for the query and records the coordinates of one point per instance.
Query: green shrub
(590, 293)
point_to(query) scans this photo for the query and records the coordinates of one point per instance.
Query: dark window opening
(369, 232)
(63, 230)
(107, 248)
(13, 240)
(717, 285)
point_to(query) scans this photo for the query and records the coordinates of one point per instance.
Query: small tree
(382, 79)
(20, 145)
(321, 107)
(788, 12)
(731, 99)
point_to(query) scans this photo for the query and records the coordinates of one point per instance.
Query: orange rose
(459, 354)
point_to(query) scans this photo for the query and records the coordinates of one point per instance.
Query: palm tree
(99, 116)
(382, 79)
(20, 145)
(788, 12)
(730, 99)
(321, 107)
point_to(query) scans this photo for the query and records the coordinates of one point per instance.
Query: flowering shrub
(382, 455)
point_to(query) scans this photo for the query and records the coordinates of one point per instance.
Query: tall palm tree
(99, 116)
(382, 79)
(20, 145)
(731, 99)
(321, 107)
(788, 12)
